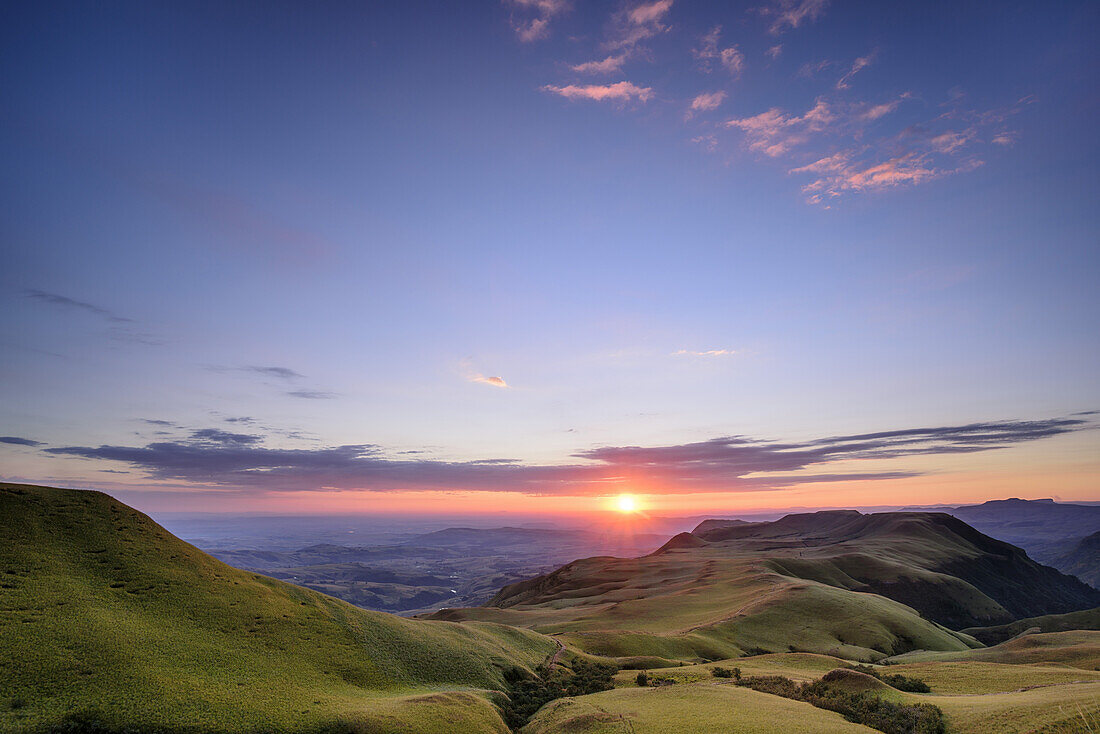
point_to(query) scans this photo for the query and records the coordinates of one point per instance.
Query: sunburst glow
(626, 503)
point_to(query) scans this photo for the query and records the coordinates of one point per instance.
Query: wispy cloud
(311, 394)
(284, 373)
(706, 102)
(17, 441)
(775, 132)
(638, 23)
(609, 65)
(774, 52)
(710, 55)
(617, 92)
(706, 353)
(724, 464)
(833, 142)
(531, 18)
(70, 303)
(858, 65)
(787, 14)
(121, 328)
(839, 173)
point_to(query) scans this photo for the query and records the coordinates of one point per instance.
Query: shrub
(894, 680)
(642, 680)
(860, 708)
(528, 693)
(721, 672)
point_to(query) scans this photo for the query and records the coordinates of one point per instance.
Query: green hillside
(694, 603)
(1088, 619)
(930, 561)
(107, 618)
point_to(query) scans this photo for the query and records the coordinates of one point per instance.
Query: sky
(527, 256)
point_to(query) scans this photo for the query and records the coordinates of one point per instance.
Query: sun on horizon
(626, 503)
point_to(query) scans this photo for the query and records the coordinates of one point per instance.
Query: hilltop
(933, 562)
(839, 583)
(107, 619)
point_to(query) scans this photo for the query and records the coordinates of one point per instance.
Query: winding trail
(557, 653)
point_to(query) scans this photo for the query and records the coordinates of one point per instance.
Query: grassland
(693, 709)
(1088, 619)
(701, 603)
(976, 698)
(106, 617)
(1077, 648)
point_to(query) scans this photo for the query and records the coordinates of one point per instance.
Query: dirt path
(557, 653)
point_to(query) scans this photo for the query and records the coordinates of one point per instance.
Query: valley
(108, 623)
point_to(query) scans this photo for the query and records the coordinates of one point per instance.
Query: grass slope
(1088, 619)
(694, 709)
(800, 584)
(105, 616)
(930, 561)
(1077, 649)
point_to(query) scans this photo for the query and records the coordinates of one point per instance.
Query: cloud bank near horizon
(724, 464)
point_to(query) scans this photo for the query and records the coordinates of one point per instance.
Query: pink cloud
(840, 172)
(607, 66)
(634, 25)
(618, 92)
(951, 141)
(881, 110)
(649, 12)
(707, 101)
(793, 13)
(733, 60)
(709, 143)
(494, 381)
(708, 53)
(534, 28)
(774, 133)
(774, 52)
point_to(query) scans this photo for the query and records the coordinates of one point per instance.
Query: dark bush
(642, 680)
(860, 708)
(721, 672)
(528, 693)
(900, 682)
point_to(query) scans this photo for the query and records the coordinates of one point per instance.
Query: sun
(626, 503)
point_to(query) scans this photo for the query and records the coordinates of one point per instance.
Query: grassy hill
(696, 709)
(933, 562)
(107, 618)
(704, 603)
(1076, 648)
(1045, 694)
(1088, 619)
(844, 584)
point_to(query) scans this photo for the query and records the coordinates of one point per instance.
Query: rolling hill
(838, 583)
(108, 620)
(933, 562)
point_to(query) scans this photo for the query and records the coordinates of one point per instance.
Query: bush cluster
(895, 680)
(528, 693)
(718, 672)
(860, 708)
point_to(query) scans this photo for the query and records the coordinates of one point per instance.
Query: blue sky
(655, 224)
